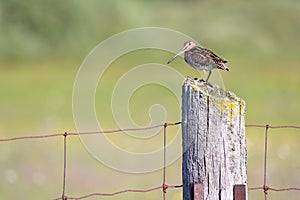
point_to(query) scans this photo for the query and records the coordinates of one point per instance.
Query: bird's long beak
(181, 52)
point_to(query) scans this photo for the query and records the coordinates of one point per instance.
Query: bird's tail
(223, 67)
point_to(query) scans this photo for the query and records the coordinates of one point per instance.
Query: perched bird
(201, 58)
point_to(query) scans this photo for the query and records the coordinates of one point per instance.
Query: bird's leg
(208, 76)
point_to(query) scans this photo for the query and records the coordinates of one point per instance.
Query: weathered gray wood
(214, 142)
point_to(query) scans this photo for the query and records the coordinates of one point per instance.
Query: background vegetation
(42, 44)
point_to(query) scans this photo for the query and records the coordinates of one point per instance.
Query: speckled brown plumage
(201, 58)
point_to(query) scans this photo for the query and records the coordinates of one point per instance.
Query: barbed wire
(163, 187)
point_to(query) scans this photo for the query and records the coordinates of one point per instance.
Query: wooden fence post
(214, 142)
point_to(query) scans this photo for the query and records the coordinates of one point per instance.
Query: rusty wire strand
(31, 137)
(121, 192)
(87, 133)
(275, 189)
(273, 127)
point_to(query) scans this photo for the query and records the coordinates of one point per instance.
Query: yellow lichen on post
(195, 87)
(228, 106)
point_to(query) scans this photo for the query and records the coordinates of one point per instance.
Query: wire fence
(163, 186)
(265, 188)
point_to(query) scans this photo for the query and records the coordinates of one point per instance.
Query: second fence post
(214, 142)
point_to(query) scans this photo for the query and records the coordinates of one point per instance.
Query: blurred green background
(43, 43)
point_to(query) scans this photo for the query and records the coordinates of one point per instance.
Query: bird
(201, 58)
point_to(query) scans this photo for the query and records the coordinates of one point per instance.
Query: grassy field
(36, 98)
(40, 57)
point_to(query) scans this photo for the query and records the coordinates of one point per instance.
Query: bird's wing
(213, 56)
(198, 56)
